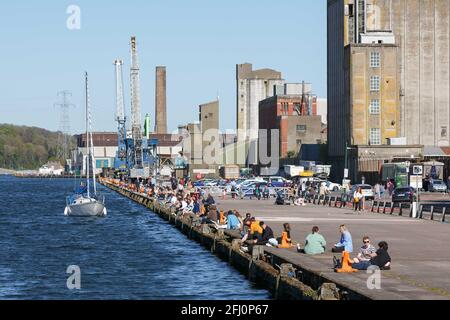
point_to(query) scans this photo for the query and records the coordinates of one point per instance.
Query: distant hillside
(27, 148)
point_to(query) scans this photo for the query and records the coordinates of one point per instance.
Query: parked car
(367, 191)
(404, 194)
(249, 190)
(205, 183)
(315, 180)
(331, 186)
(249, 182)
(278, 182)
(438, 186)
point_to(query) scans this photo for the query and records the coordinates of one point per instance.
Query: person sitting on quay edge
(345, 243)
(239, 217)
(254, 230)
(212, 216)
(248, 217)
(287, 229)
(366, 251)
(315, 243)
(233, 222)
(196, 207)
(267, 237)
(209, 201)
(380, 259)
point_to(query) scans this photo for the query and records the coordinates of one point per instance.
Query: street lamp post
(346, 169)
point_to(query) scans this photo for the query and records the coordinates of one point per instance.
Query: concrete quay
(421, 258)
(418, 248)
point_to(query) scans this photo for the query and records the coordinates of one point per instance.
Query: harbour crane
(121, 157)
(137, 155)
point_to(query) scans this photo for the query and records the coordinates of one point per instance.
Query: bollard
(444, 209)
(392, 208)
(378, 206)
(401, 209)
(384, 207)
(432, 213)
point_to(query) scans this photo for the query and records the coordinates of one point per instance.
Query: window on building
(297, 109)
(375, 59)
(444, 132)
(374, 106)
(286, 108)
(350, 10)
(299, 143)
(375, 136)
(375, 83)
(301, 128)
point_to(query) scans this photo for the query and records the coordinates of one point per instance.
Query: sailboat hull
(86, 208)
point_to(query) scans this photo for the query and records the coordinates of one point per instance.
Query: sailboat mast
(94, 168)
(87, 135)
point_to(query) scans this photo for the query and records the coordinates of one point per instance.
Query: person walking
(304, 188)
(258, 192)
(358, 199)
(390, 187)
(378, 191)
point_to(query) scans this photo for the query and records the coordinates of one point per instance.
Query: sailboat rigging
(82, 202)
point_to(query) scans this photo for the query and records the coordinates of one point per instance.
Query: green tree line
(28, 148)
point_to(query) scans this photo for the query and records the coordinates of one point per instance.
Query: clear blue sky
(200, 42)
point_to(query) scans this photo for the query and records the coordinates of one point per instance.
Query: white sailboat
(82, 203)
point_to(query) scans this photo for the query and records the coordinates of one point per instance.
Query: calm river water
(130, 254)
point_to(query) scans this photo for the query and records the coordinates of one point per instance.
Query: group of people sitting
(259, 233)
(367, 256)
(187, 202)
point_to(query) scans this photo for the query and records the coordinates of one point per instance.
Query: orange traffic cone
(284, 242)
(346, 264)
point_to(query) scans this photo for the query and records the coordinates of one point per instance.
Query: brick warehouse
(295, 118)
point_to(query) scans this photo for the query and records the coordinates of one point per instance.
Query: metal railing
(434, 211)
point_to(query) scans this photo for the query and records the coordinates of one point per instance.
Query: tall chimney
(160, 103)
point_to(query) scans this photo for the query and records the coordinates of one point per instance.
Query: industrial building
(205, 147)
(295, 117)
(105, 150)
(253, 86)
(388, 80)
(209, 120)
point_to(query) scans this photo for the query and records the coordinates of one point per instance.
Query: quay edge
(313, 286)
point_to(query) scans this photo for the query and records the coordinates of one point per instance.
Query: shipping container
(230, 172)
